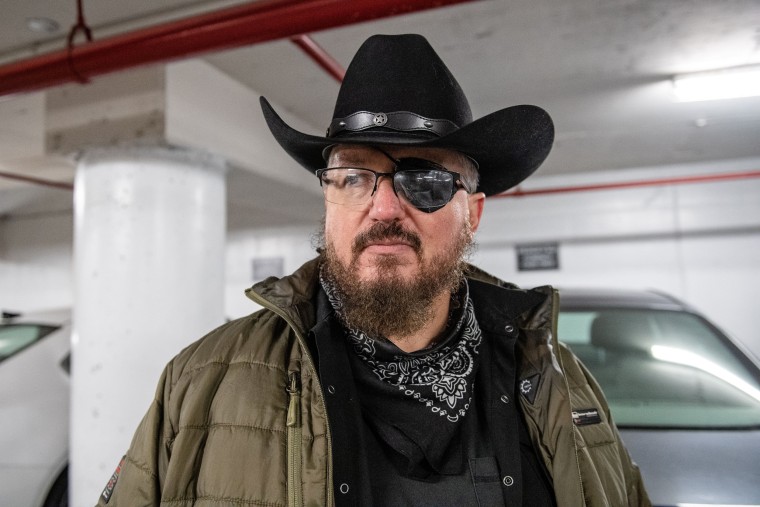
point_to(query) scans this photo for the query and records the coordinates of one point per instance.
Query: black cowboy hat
(398, 91)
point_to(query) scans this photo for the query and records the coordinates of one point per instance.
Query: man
(387, 371)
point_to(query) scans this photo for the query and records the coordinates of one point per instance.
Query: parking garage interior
(144, 197)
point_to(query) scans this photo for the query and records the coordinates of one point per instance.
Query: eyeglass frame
(457, 183)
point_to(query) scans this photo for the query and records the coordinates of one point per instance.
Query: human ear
(475, 203)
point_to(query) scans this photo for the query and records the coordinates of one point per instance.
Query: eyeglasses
(424, 184)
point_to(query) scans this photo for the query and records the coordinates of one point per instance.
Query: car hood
(705, 467)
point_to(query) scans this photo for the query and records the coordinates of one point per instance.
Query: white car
(685, 397)
(34, 409)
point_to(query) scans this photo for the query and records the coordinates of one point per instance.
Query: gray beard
(390, 305)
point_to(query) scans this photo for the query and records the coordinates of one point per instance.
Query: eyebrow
(349, 159)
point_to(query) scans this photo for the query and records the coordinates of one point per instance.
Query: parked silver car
(34, 409)
(685, 397)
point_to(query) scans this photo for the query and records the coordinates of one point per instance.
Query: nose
(386, 205)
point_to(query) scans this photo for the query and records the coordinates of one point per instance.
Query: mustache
(380, 231)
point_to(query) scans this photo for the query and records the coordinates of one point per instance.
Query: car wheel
(59, 493)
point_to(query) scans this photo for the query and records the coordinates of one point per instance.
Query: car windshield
(664, 368)
(16, 337)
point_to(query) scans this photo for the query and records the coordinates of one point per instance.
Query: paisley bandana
(440, 377)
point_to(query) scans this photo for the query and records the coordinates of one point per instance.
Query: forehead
(351, 154)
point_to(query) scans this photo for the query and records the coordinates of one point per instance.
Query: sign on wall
(537, 256)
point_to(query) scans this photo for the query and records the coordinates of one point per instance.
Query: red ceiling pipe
(37, 181)
(319, 55)
(259, 21)
(704, 178)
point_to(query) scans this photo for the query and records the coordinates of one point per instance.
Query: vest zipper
(259, 299)
(293, 423)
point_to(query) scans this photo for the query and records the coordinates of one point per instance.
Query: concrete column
(149, 239)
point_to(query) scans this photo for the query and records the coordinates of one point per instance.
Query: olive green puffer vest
(239, 416)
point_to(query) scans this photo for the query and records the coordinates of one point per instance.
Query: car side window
(576, 327)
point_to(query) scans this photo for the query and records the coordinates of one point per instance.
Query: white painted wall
(35, 261)
(293, 245)
(699, 242)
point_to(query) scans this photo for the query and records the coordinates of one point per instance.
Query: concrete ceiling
(601, 69)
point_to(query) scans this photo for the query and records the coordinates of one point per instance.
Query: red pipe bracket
(319, 55)
(79, 26)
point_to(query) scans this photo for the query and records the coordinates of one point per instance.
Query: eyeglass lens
(424, 189)
(427, 190)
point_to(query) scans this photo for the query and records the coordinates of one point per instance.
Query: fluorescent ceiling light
(716, 85)
(42, 25)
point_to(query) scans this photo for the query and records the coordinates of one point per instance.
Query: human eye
(336, 178)
(357, 178)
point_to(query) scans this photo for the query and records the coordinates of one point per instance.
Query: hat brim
(508, 145)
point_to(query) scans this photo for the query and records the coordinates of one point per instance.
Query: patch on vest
(529, 387)
(586, 416)
(108, 491)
